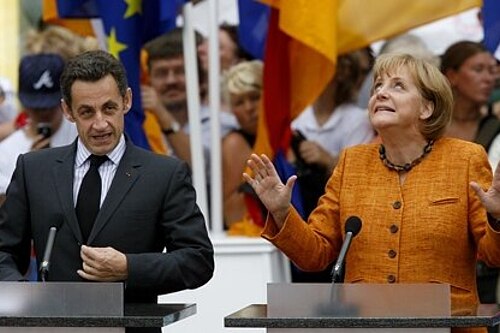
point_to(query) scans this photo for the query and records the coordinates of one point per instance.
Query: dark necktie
(89, 197)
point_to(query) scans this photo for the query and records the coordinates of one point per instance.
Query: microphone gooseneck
(44, 267)
(352, 228)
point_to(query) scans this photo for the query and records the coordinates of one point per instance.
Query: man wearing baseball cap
(40, 97)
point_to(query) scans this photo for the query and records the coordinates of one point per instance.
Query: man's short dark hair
(166, 46)
(92, 66)
(232, 31)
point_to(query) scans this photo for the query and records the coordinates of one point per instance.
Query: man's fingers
(102, 264)
(87, 276)
(92, 256)
(89, 268)
(87, 253)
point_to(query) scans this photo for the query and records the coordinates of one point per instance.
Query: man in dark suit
(147, 202)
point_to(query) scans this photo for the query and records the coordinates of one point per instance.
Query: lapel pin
(128, 174)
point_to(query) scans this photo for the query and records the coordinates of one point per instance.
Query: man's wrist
(175, 127)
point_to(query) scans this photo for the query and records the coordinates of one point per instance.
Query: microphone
(352, 228)
(44, 268)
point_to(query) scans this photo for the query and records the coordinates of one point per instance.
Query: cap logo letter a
(44, 80)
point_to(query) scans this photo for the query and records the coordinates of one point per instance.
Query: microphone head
(353, 225)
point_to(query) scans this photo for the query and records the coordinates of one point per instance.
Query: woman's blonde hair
(431, 84)
(243, 77)
(59, 40)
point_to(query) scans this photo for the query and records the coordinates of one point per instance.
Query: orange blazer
(429, 230)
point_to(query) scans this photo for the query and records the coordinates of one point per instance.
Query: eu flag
(254, 22)
(491, 23)
(128, 24)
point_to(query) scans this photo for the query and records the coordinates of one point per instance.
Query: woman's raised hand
(490, 198)
(265, 181)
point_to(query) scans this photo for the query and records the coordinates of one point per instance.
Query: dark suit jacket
(150, 206)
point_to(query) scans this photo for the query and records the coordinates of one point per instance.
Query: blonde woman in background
(242, 88)
(59, 40)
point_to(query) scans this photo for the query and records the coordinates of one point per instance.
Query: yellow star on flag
(133, 7)
(114, 46)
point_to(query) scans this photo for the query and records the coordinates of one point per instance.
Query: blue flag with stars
(252, 31)
(128, 24)
(491, 23)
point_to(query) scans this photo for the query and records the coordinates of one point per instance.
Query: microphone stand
(337, 269)
(44, 268)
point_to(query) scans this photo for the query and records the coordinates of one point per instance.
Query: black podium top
(135, 315)
(255, 315)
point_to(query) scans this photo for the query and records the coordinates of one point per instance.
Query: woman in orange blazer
(419, 195)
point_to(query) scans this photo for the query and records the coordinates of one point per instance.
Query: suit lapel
(63, 175)
(125, 177)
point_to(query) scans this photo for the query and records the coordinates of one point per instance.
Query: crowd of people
(394, 139)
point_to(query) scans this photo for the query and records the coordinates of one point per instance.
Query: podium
(75, 307)
(318, 308)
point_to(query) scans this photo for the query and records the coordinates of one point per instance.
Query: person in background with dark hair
(426, 217)
(333, 122)
(494, 108)
(230, 53)
(117, 206)
(470, 69)
(166, 97)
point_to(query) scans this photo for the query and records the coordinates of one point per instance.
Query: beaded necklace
(408, 166)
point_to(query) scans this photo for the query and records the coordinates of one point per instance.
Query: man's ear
(127, 101)
(68, 114)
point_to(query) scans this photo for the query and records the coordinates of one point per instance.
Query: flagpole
(215, 105)
(193, 99)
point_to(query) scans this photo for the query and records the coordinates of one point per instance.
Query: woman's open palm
(265, 181)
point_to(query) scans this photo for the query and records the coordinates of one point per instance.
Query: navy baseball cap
(39, 76)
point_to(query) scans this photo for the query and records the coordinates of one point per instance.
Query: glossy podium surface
(135, 315)
(358, 300)
(79, 307)
(256, 315)
(61, 299)
(358, 308)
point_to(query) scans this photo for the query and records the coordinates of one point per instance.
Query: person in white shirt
(8, 110)
(40, 96)
(333, 122)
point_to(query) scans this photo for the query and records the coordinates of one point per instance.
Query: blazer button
(394, 228)
(391, 278)
(396, 204)
(391, 254)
